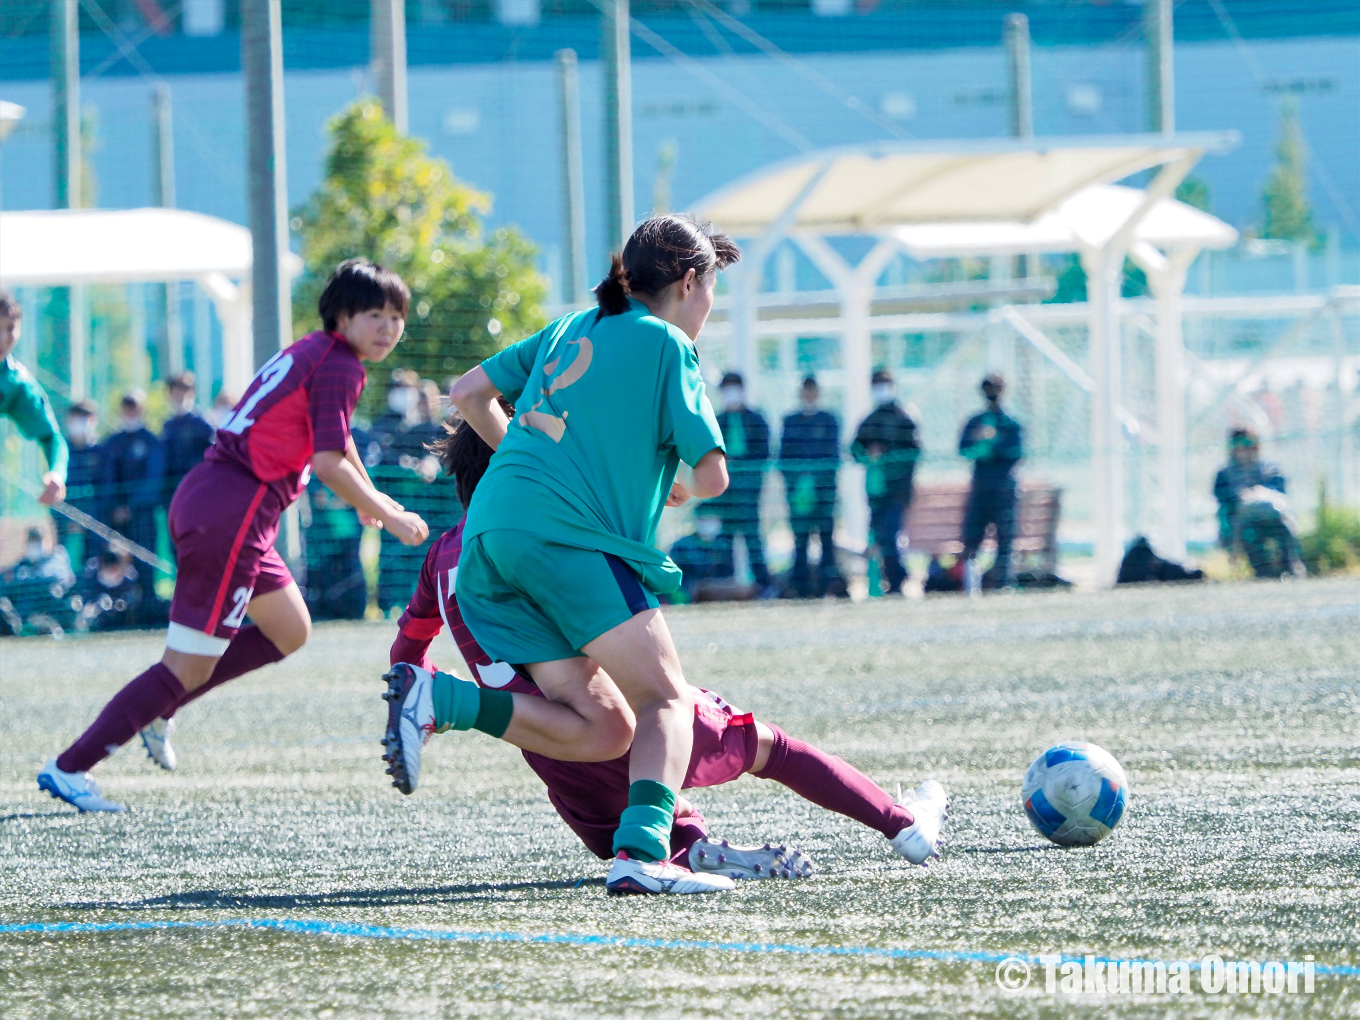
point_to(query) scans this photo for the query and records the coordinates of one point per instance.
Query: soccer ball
(1075, 793)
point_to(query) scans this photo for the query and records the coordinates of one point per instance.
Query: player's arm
(707, 479)
(475, 396)
(339, 475)
(352, 455)
(32, 414)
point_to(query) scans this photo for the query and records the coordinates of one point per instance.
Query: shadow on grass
(35, 814)
(218, 899)
(1005, 849)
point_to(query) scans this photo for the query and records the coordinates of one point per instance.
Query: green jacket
(22, 399)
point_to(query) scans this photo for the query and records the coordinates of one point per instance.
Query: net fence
(719, 91)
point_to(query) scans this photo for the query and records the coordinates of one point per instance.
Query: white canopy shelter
(958, 198)
(77, 247)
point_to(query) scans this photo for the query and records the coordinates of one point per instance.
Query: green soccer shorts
(529, 599)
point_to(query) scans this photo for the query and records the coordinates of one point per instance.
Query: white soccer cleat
(920, 841)
(719, 857)
(629, 877)
(76, 788)
(410, 722)
(156, 740)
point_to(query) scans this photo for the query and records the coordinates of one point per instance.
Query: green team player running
(23, 400)
(559, 568)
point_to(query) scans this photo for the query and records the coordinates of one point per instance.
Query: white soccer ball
(1075, 793)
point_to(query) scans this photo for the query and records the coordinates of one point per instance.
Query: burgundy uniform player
(293, 420)
(590, 796)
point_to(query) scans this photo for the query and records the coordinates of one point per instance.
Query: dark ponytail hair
(662, 250)
(464, 455)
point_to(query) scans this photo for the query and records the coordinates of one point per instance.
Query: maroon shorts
(223, 521)
(590, 796)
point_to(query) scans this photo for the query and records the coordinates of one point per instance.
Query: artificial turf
(1234, 708)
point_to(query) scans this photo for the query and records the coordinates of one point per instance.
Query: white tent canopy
(959, 198)
(77, 247)
(1087, 219)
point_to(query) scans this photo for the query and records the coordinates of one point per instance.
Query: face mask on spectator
(733, 397)
(399, 400)
(708, 527)
(131, 423)
(809, 400)
(884, 393)
(81, 430)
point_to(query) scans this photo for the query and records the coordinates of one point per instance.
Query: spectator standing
(1253, 515)
(888, 446)
(809, 456)
(130, 478)
(993, 441)
(186, 435)
(746, 435)
(23, 401)
(82, 482)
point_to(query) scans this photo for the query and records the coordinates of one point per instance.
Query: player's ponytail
(613, 291)
(660, 251)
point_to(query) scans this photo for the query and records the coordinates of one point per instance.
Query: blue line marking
(345, 929)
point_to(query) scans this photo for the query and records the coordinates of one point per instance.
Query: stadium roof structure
(76, 247)
(997, 197)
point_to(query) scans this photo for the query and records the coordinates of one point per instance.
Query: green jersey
(22, 399)
(605, 410)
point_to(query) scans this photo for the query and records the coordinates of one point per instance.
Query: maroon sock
(145, 699)
(686, 830)
(248, 650)
(833, 784)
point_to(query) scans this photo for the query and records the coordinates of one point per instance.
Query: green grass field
(1234, 708)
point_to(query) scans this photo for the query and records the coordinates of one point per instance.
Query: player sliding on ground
(591, 796)
(293, 419)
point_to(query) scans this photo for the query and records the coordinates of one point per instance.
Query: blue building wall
(495, 120)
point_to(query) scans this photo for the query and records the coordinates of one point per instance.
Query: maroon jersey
(434, 606)
(301, 401)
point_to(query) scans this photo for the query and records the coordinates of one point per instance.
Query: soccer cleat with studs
(410, 723)
(921, 841)
(719, 857)
(76, 788)
(629, 877)
(156, 739)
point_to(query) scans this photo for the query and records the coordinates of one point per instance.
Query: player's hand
(407, 528)
(679, 495)
(53, 489)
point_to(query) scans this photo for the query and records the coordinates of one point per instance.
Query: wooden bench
(935, 522)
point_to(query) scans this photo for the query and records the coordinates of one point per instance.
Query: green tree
(384, 198)
(1287, 216)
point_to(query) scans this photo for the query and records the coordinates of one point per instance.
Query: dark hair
(182, 380)
(1242, 437)
(133, 398)
(84, 408)
(662, 250)
(358, 285)
(810, 382)
(994, 380)
(732, 379)
(9, 308)
(882, 375)
(464, 455)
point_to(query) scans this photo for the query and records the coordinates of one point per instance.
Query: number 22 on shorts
(241, 599)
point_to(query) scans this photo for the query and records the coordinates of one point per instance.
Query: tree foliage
(1287, 215)
(383, 197)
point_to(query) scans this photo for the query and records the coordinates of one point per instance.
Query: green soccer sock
(644, 830)
(462, 705)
